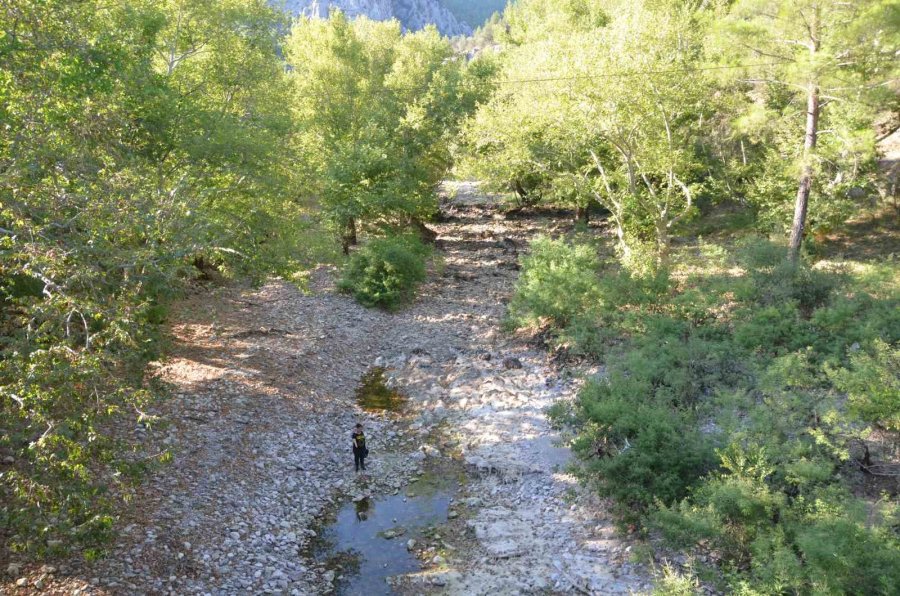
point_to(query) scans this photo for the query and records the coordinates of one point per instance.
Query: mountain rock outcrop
(412, 14)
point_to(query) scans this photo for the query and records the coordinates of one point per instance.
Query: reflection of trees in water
(344, 563)
(374, 395)
(363, 507)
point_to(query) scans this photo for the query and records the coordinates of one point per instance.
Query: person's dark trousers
(359, 459)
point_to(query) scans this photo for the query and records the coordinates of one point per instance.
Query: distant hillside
(474, 12)
(412, 14)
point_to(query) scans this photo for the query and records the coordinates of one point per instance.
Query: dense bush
(635, 450)
(823, 544)
(386, 271)
(558, 283)
(731, 409)
(872, 384)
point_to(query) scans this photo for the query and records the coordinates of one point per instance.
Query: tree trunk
(582, 214)
(521, 193)
(662, 241)
(620, 235)
(349, 237)
(806, 177)
(425, 234)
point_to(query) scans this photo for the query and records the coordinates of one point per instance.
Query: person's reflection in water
(362, 510)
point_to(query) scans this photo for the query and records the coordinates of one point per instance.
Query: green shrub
(772, 280)
(559, 283)
(385, 272)
(772, 329)
(872, 384)
(636, 451)
(844, 557)
(761, 363)
(789, 546)
(674, 583)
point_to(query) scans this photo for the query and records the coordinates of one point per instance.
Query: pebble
(512, 363)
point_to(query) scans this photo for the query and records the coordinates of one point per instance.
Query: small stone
(13, 569)
(512, 363)
(22, 582)
(438, 560)
(410, 544)
(452, 515)
(8, 459)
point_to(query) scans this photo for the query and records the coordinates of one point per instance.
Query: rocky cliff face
(412, 14)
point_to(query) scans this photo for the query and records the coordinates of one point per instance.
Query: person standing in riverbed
(359, 448)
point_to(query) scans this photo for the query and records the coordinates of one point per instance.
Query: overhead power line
(637, 73)
(607, 75)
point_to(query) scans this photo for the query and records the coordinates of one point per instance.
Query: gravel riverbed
(259, 423)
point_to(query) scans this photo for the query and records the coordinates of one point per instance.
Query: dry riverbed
(264, 400)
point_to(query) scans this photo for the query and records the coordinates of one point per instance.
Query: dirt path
(264, 384)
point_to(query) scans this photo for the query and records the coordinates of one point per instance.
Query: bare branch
(690, 200)
(17, 399)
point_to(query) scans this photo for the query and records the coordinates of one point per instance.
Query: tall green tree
(609, 109)
(140, 138)
(375, 111)
(831, 63)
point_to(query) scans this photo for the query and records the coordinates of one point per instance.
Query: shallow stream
(359, 538)
(366, 542)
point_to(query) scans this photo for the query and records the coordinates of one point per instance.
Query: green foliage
(558, 283)
(637, 452)
(651, 108)
(375, 111)
(730, 408)
(766, 129)
(844, 556)
(872, 384)
(675, 583)
(142, 139)
(629, 143)
(801, 546)
(386, 271)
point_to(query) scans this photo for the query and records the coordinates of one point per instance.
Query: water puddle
(374, 395)
(367, 540)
